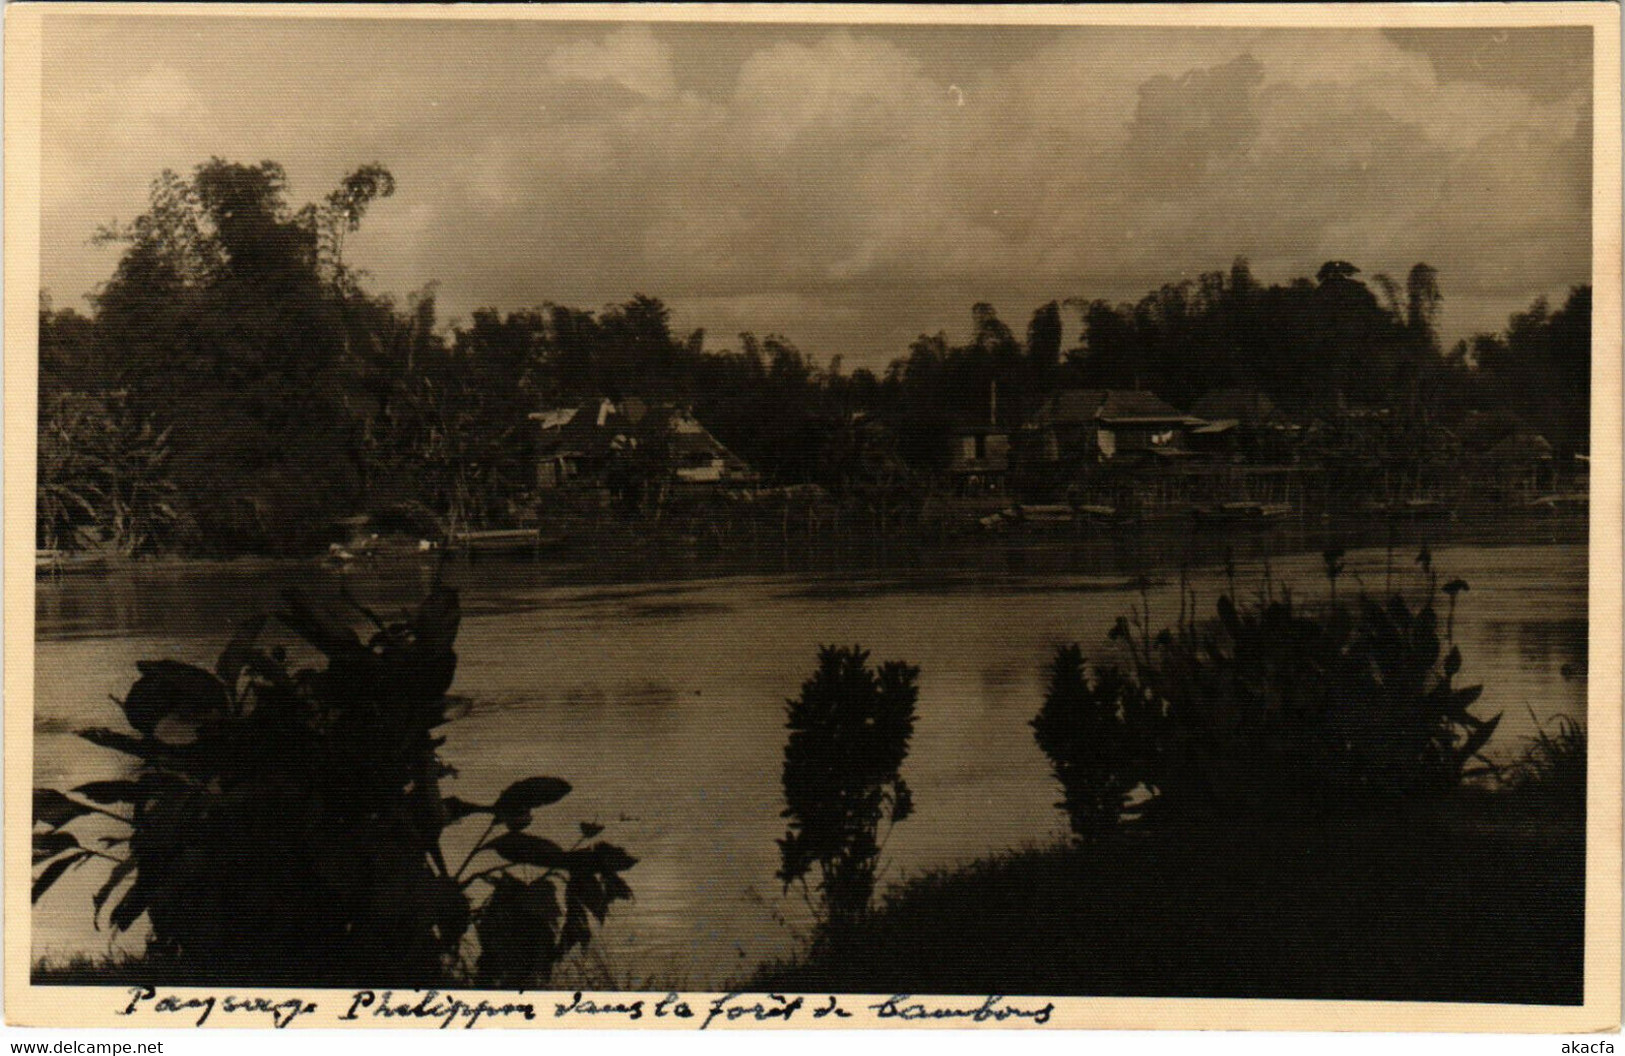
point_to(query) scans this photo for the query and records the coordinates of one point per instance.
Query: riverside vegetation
(1282, 800)
(287, 827)
(236, 389)
(849, 733)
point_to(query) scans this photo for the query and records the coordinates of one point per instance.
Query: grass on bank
(1475, 897)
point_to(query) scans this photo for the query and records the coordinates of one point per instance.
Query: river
(662, 701)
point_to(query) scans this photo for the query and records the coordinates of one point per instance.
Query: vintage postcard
(715, 517)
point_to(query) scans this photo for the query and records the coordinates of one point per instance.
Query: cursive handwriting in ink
(281, 1012)
(447, 1008)
(992, 1009)
(776, 1006)
(669, 1006)
(580, 1006)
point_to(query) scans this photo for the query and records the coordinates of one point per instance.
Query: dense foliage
(286, 826)
(849, 734)
(240, 369)
(1093, 728)
(1269, 708)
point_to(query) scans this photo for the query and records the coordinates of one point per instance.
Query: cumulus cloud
(853, 186)
(630, 57)
(1206, 114)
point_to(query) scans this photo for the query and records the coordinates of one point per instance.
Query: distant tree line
(235, 387)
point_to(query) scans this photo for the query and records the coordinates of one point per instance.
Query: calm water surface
(663, 703)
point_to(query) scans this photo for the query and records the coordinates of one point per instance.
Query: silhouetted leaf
(458, 809)
(585, 889)
(269, 668)
(1478, 739)
(451, 909)
(122, 742)
(168, 687)
(107, 792)
(1465, 698)
(1452, 662)
(239, 652)
(51, 844)
(615, 887)
(577, 932)
(52, 873)
(332, 636)
(131, 906)
(54, 809)
(522, 848)
(515, 928)
(590, 829)
(608, 858)
(538, 897)
(114, 878)
(530, 793)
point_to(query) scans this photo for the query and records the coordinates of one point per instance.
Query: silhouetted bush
(849, 733)
(1096, 728)
(286, 826)
(1269, 707)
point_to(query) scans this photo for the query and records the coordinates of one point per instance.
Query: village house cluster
(1103, 454)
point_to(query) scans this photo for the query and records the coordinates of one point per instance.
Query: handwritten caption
(448, 1010)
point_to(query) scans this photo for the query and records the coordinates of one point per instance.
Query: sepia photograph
(710, 516)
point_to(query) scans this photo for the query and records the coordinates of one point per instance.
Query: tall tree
(228, 324)
(1422, 300)
(1044, 339)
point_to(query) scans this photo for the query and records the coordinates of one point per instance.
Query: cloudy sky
(849, 187)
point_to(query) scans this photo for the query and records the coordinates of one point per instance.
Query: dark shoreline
(619, 552)
(207, 594)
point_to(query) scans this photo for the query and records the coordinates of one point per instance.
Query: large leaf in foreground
(531, 793)
(53, 808)
(168, 687)
(522, 848)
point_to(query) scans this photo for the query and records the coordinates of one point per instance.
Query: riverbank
(1476, 898)
(662, 701)
(622, 552)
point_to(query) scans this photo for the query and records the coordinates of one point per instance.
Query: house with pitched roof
(1103, 425)
(599, 442)
(1243, 424)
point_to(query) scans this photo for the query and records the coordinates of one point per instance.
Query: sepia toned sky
(848, 187)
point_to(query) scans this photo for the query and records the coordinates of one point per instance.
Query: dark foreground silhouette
(1476, 899)
(286, 826)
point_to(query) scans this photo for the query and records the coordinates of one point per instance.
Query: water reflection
(1541, 646)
